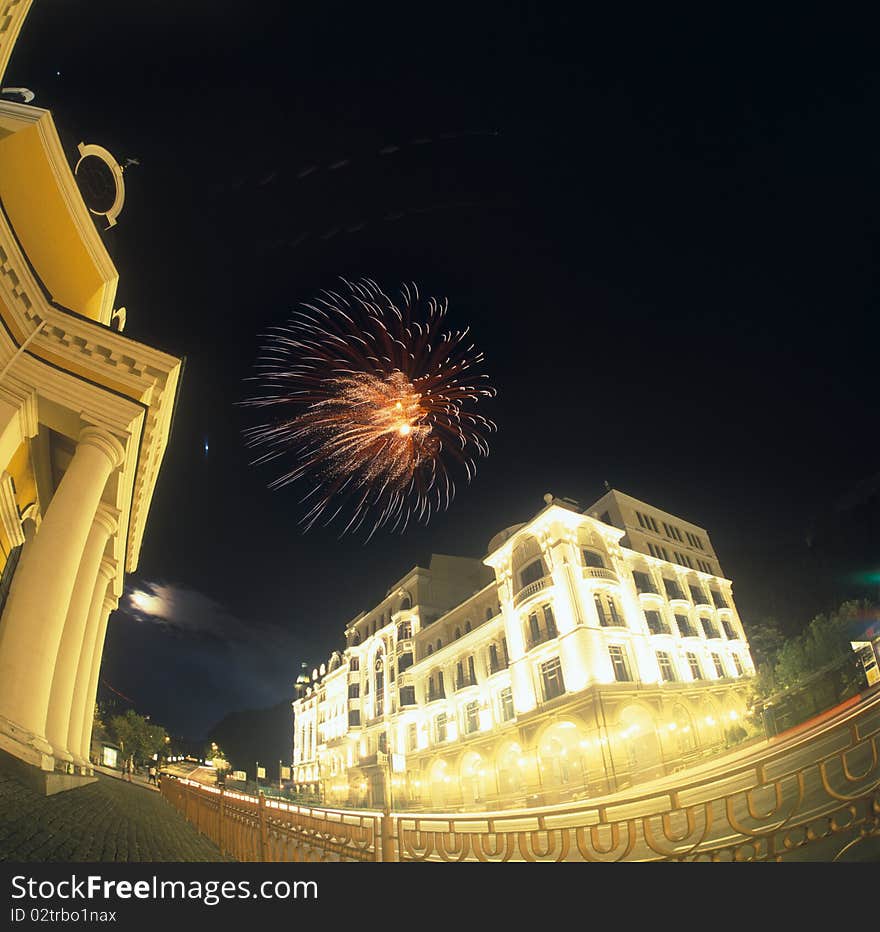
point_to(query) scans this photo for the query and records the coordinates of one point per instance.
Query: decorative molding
(12, 15)
(9, 516)
(99, 152)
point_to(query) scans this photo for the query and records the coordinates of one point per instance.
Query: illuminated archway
(475, 778)
(440, 783)
(637, 740)
(509, 765)
(561, 755)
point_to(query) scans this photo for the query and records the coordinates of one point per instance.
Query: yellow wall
(42, 222)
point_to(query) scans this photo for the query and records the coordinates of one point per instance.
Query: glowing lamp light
(671, 726)
(733, 715)
(710, 720)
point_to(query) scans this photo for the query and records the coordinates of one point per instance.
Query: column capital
(103, 440)
(111, 603)
(108, 517)
(107, 569)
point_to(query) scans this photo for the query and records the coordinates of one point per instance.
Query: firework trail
(374, 401)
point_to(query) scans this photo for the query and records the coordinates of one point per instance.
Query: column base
(43, 782)
(32, 749)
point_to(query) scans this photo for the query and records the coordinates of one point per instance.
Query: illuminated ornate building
(588, 651)
(85, 415)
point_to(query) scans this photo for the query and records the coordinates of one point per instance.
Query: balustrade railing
(814, 797)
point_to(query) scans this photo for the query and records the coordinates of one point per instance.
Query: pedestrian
(129, 767)
(152, 775)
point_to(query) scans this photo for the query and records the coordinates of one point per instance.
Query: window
(719, 600)
(591, 558)
(531, 573)
(605, 517)
(354, 664)
(430, 649)
(694, 664)
(505, 698)
(620, 663)
(667, 670)
(697, 595)
(407, 695)
(710, 630)
(354, 690)
(457, 634)
(737, 663)
(439, 644)
(440, 728)
(354, 718)
(412, 736)
(435, 686)
(488, 614)
(643, 582)
(471, 718)
(673, 590)
(467, 627)
(719, 666)
(496, 660)
(538, 633)
(551, 679)
(606, 608)
(656, 625)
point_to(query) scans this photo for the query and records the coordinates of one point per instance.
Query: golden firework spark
(376, 399)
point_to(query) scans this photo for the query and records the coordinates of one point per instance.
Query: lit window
(667, 670)
(694, 664)
(620, 663)
(551, 679)
(505, 698)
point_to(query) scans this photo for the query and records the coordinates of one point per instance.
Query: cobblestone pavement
(110, 820)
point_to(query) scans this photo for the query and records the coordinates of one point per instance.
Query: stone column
(72, 638)
(33, 621)
(82, 703)
(108, 604)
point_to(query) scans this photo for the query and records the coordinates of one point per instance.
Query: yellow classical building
(590, 649)
(85, 415)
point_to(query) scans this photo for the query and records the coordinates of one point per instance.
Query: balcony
(406, 646)
(532, 589)
(599, 572)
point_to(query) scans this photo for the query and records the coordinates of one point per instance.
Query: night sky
(662, 232)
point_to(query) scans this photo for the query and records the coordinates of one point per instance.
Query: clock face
(96, 184)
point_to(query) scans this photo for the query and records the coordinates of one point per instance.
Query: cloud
(186, 659)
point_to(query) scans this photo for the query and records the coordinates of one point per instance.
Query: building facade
(85, 415)
(588, 651)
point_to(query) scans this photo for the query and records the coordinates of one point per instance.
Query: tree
(138, 737)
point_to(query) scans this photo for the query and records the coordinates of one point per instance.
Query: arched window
(439, 644)
(405, 602)
(527, 562)
(430, 649)
(457, 633)
(467, 627)
(488, 614)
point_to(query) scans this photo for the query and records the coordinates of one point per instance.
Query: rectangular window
(550, 622)
(685, 628)
(694, 664)
(620, 663)
(641, 520)
(737, 663)
(697, 595)
(472, 675)
(729, 630)
(407, 695)
(471, 717)
(534, 629)
(643, 582)
(672, 589)
(551, 679)
(719, 600)
(412, 736)
(354, 690)
(505, 697)
(709, 628)
(719, 666)
(667, 670)
(655, 623)
(440, 728)
(494, 662)
(591, 558)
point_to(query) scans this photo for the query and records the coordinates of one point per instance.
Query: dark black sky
(663, 232)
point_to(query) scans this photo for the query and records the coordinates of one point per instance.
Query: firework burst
(373, 398)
